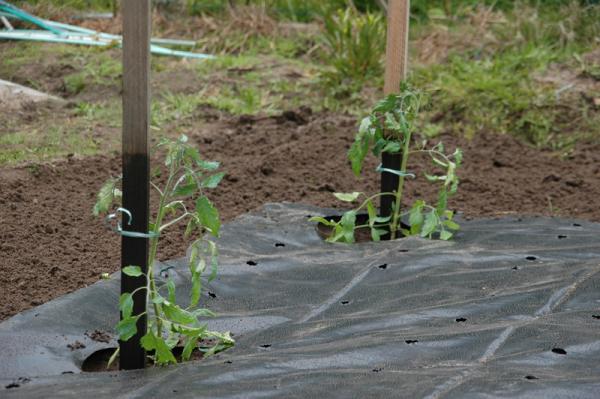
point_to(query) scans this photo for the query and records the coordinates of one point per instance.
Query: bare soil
(50, 244)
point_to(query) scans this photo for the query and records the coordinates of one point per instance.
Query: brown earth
(50, 243)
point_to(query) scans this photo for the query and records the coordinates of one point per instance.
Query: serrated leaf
(451, 225)
(445, 235)
(213, 181)
(208, 215)
(347, 197)
(185, 190)
(442, 203)
(392, 147)
(208, 165)
(431, 222)
(162, 352)
(105, 197)
(132, 271)
(176, 314)
(415, 216)
(127, 328)
(126, 305)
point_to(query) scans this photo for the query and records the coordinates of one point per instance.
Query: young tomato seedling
(169, 324)
(389, 129)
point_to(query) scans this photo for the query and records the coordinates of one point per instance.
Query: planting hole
(561, 236)
(531, 377)
(461, 320)
(559, 351)
(251, 263)
(411, 341)
(279, 244)
(531, 258)
(383, 267)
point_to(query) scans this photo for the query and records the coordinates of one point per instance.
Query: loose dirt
(50, 243)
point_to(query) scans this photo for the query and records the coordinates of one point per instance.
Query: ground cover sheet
(509, 309)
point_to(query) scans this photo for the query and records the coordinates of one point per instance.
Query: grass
(481, 68)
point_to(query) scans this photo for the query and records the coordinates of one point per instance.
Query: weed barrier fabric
(509, 309)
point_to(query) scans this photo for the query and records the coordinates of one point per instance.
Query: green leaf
(431, 222)
(171, 290)
(347, 197)
(113, 357)
(322, 220)
(392, 147)
(348, 222)
(208, 165)
(126, 305)
(377, 233)
(451, 225)
(445, 235)
(434, 178)
(127, 328)
(387, 104)
(208, 215)
(132, 271)
(442, 203)
(185, 190)
(176, 314)
(159, 346)
(372, 213)
(196, 289)
(105, 197)
(190, 345)
(213, 181)
(415, 216)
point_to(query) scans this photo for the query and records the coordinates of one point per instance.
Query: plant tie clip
(400, 173)
(119, 229)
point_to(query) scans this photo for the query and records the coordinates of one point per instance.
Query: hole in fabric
(576, 225)
(403, 250)
(559, 351)
(228, 362)
(251, 263)
(461, 320)
(531, 258)
(279, 244)
(266, 346)
(67, 372)
(345, 302)
(561, 236)
(377, 370)
(308, 216)
(174, 390)
(531, 377)
(383, 267)
(212, 294)
(596, 316)
(12, 385)
(515, 267)
(411, 341)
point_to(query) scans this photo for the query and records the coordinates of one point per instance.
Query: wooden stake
(396, 60)
(136, 184)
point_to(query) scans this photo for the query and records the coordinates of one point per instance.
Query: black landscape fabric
(509, 309)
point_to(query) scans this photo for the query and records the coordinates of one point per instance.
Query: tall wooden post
(136, 184)
(395, 71)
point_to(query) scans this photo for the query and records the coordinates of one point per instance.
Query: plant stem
(398, 200)
(153, 249)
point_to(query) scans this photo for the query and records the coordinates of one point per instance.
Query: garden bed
(509, 308)
(50, 244)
